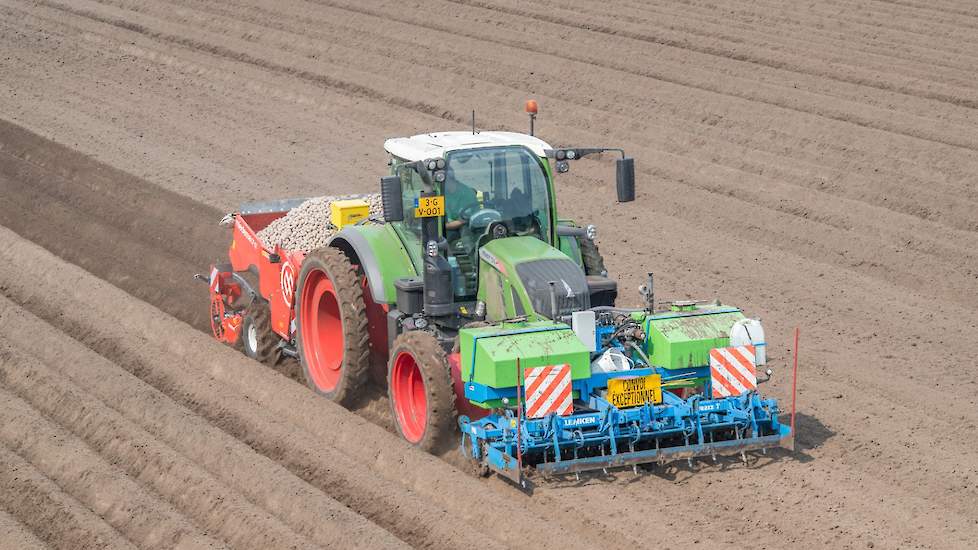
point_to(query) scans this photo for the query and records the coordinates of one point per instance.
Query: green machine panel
(536, 344)
(678, 340)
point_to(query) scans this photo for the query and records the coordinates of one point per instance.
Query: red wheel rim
(322, 331)
(410, 400)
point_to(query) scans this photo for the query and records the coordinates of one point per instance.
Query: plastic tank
(746, 332)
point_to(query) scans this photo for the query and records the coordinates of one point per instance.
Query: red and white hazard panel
(732, 371)
(548, 390)
(215, 282)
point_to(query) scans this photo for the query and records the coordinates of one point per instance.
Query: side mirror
(625, 174)
(390, 197)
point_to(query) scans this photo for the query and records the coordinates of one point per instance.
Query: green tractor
(476, 215)
(493, 322)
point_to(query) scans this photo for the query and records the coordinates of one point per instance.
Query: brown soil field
(813, 163)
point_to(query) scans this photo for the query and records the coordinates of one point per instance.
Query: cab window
(409, 229)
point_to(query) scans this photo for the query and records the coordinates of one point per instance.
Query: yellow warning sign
(632, 392)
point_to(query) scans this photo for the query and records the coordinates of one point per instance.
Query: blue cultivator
(602, 436)
(638, 415)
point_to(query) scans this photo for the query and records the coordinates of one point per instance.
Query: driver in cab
(460, 199)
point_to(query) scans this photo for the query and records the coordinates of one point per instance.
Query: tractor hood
(521, 270)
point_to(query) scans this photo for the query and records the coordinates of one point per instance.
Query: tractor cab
(492, 193)
(484, 186)
(470, 207)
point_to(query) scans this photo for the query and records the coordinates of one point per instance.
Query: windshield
(491, 193)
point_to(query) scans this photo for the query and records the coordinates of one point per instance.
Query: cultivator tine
(505, 465)
(631, 449)
(662, 455)
(743, 454)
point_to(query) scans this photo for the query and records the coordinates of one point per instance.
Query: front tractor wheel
(419, 384)
(331, 326)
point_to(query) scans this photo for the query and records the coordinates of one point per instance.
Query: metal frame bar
(731, 447)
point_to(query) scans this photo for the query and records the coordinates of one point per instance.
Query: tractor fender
(568, 240)
(379, 252)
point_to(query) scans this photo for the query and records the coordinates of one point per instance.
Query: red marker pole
(519, 416)
(794, 389)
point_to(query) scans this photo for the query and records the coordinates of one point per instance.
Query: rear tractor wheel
(331, 326)
(257, 339)
(419, 384)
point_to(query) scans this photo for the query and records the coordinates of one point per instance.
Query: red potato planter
(309, 306)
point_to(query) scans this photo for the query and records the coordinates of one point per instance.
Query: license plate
(430, 207)
(632, 392)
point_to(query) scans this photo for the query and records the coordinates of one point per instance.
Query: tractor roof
(426, 146)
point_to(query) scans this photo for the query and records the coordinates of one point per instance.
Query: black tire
(262, 343)
(354, 366)
(440, 426)
(592, 258)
